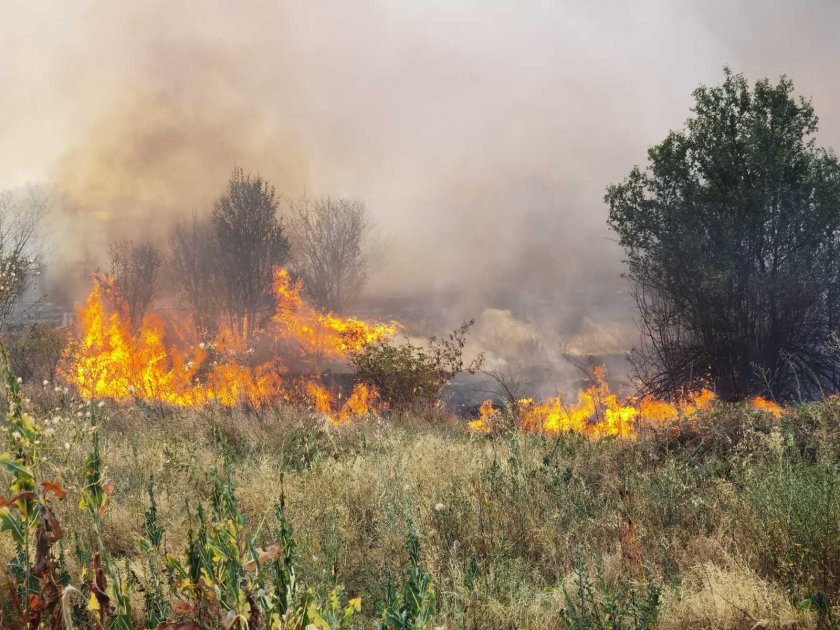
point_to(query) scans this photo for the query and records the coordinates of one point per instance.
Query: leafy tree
(732, 236)
(251, 241)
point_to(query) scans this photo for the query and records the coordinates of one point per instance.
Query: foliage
(34, 353)
(33, 526)
(726, 521)
(225, 579)
(593, 605)
(406, 375)
(732, 238)
(249, 242)
(794, 511)
(416, 607)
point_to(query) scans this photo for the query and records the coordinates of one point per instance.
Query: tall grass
(729, 523)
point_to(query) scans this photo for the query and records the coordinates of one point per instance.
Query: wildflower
(100, 404)
(16, 435)
(19, 379)
(45, 383)
(67, 446)
(439, 507)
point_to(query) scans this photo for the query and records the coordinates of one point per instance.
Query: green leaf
(15, 466)
(10, 523)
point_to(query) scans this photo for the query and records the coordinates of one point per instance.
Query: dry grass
(505, 522)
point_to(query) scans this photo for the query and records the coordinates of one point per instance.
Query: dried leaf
(54, 487)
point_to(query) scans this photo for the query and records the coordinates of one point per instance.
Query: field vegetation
(139, 516)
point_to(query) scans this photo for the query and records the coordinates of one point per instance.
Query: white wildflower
(439, 507)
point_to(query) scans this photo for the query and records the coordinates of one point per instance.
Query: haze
(480, 134)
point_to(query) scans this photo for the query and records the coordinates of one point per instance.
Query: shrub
(593, 605)
(416, 607)
(35, 353)
(794, 518)
(406, 375)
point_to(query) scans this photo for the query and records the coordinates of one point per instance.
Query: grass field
(729, 520)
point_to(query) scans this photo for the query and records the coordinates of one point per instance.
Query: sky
(481, 135)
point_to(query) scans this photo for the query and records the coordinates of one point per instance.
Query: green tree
(732, 236)
(250, 242)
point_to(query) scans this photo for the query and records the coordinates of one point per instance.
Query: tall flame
(107, 359)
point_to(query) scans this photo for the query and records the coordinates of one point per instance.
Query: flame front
(484, 422)
(358, 404)
(599, 413)
(107, 359)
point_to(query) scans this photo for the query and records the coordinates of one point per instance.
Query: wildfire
(107, 359)
(483, 424)
(598, 413)
(318, 335)
(759, 402)
(358, 404)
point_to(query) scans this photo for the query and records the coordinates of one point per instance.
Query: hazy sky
(480, 134)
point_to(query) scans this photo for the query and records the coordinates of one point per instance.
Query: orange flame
(759, 402)
(107, 359)
(486, 413)
(599, 413)
(357, 405)
(315, 334)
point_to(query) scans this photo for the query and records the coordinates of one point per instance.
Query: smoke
(480, 134)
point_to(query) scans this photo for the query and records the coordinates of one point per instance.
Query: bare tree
(21, 212)
(194, 272)
(328, 237)
(250, 242)
(136, 271)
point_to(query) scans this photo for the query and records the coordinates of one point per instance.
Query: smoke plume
(480, 134)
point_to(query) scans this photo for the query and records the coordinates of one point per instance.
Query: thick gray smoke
(481, 134)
